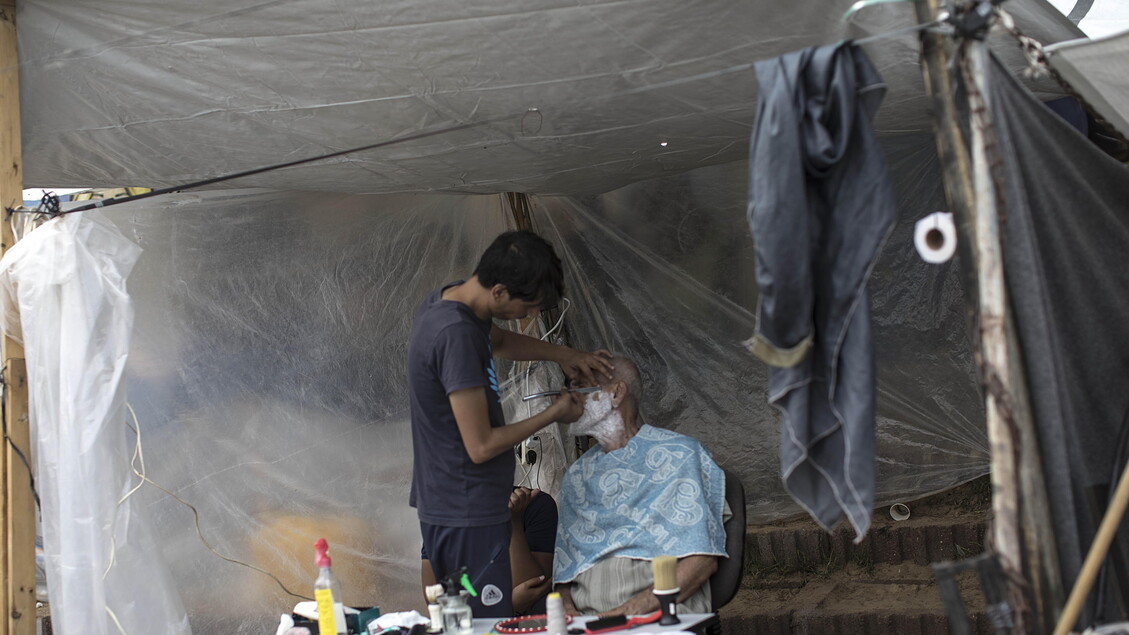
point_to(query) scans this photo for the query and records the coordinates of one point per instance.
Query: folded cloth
(661, 494)
(403, 619)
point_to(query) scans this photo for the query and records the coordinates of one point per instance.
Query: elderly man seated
(641, 493)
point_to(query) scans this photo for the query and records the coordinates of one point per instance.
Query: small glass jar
(457, 616)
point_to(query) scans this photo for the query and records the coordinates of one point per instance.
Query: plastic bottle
(554, 608)
(433, 593)
(327, 592)
(457, 616)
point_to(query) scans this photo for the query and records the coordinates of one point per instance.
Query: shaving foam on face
(599, 420)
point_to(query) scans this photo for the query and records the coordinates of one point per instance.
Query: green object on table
(465, 581)
(359, 621)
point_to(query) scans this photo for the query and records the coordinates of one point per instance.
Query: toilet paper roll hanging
(935, 237)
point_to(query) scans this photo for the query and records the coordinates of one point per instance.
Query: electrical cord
(16, 448)
(541, 459)
(138, 460)
(524, 382)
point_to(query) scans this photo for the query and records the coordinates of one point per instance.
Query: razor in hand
(554, 393)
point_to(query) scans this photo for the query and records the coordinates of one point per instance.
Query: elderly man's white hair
(626, 371)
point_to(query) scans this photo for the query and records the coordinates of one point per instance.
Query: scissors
(554, 393)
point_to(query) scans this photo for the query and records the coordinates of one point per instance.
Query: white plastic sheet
(65, 282)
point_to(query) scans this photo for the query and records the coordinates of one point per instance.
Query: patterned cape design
(661, 494)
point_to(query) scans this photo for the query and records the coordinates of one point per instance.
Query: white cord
(137, 460)
(543, 338)
(133, 466)
(524, 446)
(560, 320)
(116, 622)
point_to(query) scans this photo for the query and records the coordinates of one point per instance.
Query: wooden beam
(17, 531)
(1019, 488)
(994, 354)
(519, 207)
(20, 505)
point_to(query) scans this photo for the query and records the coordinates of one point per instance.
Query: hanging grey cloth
(820, 206)
(1066, 233)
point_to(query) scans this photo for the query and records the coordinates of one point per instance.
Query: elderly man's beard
(599, 420)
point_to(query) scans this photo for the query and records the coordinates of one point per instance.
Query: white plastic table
(693, 622)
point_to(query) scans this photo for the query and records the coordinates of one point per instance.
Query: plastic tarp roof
(1096, 69)
(127, 93)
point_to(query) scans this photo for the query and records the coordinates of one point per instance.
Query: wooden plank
(20, 504)
(17, 529)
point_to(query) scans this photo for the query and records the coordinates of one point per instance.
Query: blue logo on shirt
(490, 370)
(493, 379)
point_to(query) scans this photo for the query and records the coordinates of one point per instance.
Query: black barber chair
(727, 579)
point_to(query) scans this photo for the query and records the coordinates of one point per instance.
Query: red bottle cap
(321, 546)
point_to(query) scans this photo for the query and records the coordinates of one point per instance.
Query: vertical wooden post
(519, 207)
(994, 352)
(17, 531)
(1019, 488)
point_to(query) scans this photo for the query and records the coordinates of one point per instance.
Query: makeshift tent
(270, 334)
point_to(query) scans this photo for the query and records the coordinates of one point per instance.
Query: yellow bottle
(331, 610)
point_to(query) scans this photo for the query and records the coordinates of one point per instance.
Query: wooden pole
(1106, 532)
(992, 295)
(17, 531)
(1019, 490)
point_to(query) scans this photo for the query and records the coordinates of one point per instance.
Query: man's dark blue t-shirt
(450, 350)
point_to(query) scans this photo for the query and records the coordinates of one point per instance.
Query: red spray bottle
(327, 592)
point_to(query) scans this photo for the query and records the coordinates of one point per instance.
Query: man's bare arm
(527, 593)
(531, 571)
(483, 442)
(594, 367)
(566, 598)
(693, 571)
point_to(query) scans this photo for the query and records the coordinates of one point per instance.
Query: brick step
(857, 599)
(806, 548)
(848, 624)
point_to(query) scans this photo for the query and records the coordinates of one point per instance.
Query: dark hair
(526, 264)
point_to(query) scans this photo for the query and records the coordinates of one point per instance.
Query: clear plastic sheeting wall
(267, 373)
(663, 271)
(267, 368)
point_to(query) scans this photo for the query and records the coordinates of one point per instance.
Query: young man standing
(463, 468)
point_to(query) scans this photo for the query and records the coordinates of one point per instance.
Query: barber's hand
(520, 499)
(533, 589)
(593, 368)
(567, 407)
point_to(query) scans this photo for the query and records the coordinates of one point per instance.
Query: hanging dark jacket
(820, 206)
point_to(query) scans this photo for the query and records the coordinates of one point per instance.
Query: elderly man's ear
(619, 393)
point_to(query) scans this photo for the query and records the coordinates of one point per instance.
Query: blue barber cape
(661, 494)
